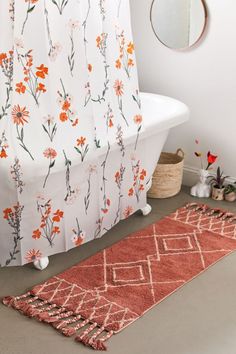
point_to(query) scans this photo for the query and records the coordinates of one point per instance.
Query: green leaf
(31, 9)
(52, 164)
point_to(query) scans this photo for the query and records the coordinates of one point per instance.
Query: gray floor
(200, 318)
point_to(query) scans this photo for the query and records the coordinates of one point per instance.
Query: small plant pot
(230, 197)
(218, 193)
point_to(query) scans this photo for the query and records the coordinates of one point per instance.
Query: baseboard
(191, 176)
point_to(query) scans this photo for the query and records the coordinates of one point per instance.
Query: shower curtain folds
(71, 164)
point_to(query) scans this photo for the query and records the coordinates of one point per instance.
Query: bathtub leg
(146, 210)
(41, 263)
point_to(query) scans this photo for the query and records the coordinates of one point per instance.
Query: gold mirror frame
(190, 46)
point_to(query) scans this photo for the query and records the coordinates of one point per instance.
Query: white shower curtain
(69, 105)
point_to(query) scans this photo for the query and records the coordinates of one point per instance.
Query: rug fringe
(65, 321)
(93, 341)
(215, 213)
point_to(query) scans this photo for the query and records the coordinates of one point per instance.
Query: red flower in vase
(211, 159)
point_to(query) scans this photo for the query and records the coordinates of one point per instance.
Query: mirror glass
(178, 24)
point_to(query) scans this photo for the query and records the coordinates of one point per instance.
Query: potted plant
(202, 189)
(230, 192)
(218, 187)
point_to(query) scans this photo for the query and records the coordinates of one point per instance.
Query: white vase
(202, 189)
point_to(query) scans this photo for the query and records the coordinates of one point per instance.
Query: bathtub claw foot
(146, 210)
(41, 263)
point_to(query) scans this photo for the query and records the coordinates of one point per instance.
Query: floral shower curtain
(71, 165)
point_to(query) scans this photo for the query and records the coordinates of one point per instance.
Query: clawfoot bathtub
(161, 114)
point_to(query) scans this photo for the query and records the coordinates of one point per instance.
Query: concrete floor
(200, 318)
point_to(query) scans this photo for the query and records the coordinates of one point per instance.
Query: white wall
(203, 77)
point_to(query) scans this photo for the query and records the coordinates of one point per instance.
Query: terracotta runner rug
(107, 292)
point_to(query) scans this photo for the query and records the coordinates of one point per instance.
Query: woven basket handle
(180, 153)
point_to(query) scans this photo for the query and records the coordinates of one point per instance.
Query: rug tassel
(63, 326)
(215, 213)
(57, 319)
(12, 301)
(93, 341)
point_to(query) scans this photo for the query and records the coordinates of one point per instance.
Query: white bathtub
(162, 112)
(160, 115)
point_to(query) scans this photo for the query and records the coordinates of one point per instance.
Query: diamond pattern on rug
(118, 285)
(126, 277)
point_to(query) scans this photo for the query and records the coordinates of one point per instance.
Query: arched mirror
(178, 24)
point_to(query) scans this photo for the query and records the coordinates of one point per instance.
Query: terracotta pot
(230, 197)
(218, 193)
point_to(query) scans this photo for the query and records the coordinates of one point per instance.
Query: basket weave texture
(168, 175)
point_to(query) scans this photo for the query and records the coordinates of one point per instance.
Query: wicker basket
(168, 175)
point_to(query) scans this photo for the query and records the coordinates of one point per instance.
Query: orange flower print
(119, 88)
(6, 67)
(6, 213)
(47, 228)
(33, 255)
(75, 122)
(13, 216)
(3, 146)
(66, 105)
(138, 119)
(58, 215)
(98, 40)
(41, 87)
(130, 62)
(56, 230)
(50, 154)
(77, 240)
(79, 235)
(128, 211)
(90, 68)
(101, 42)
(118, 64)
(82, 148)
(109, 116)
(63, 117)
(32, 1)
(32, 76)
(3, 56)
(36, 234)
(3, 154)
(81, 141)
(143, 174)
(130, 48)
(119, 176)
(20, 88)
(131, 192)
(65, 102)
(42, 71)
(138, 179)
(20, 115)
(125, 59)
(119, 91)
